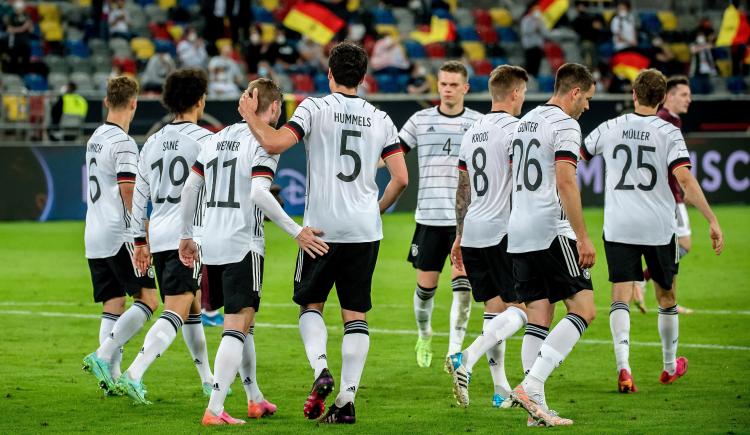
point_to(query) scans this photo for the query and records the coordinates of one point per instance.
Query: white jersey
(345, 137)
(639, 153)
(437, 138)
(163, 167)
(485, 156)
(544, 136)
(111, 158)
(232, 223)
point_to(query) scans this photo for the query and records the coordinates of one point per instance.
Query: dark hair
(120, 90)
(268, 92)
(71, 87)
(571, 76)
(675, 81)
(348, 64)
(454, 66)
(183, 89)
(504, 79)
(650, 87)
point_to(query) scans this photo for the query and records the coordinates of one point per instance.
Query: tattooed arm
(463, 199)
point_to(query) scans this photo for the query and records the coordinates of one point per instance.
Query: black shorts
(175, 278)
(552, 273)
(624, 262)
(235, 286)
(116, 276)
(430, 246)
(490, 272)
(347, 265)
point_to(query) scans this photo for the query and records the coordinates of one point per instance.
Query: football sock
(228, 359)
(247, 368)
(114, 366)
(497, 328)
(423, 304)
(460, 312)
(619, 324)
(314, 334)
(555, 348)
(496, 354)
(669, 330)
(158, 339)
(129, 323)
(195, 339)
(108, 322)
(354, 349)
(532, 342)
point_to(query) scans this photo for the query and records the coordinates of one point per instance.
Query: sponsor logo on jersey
(431, 129)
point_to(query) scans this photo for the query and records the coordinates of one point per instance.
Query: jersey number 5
(351, 153)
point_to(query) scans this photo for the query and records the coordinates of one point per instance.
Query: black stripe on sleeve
(585, 154)
(391, 150)
(298, 131)
(678, 163)
(262, 171)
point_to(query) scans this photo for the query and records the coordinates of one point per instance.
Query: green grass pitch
(49, 324)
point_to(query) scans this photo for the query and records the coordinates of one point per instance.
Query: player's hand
(309, 241)
(248, 105)
(586, 253)
(142, 258)
(456, 256)
(188, 252)
(717, 237)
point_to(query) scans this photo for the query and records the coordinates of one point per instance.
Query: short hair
(454, 66)
(573, 75)
(183, 89)
(675, 81)
(504, 79)
(650, 87)
(120, 90)
(268, 92)
(348, 64)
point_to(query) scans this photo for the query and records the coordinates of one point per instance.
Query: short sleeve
(264, 164)
(301, 121)
(462, 158)
(677, 154)
(567, 142)
(408, 135)
(589, 147)
(126, 160)
(392, 143)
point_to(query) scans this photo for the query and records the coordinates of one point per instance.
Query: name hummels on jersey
(345, 118)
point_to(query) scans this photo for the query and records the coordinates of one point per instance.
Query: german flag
(441, 30)
(734, 28)
(552, 10)
(314, 21)
(626, 64)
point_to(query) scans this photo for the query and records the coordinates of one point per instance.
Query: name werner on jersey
(635, 134)
(227, 145)
(345, 118)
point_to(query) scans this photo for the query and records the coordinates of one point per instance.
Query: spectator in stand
(156, 72)
(69, 110)
(702, 66)
(418, 83)
(213, 12)
(225, 75)
(240, 17)
(623, 27)
(388, 56)
(591, 29)
(533, 33)
(119, 20)
(312, 56)
(253, 50)
(17, 46)
(284, 53)
(664, 60)
(191, 51)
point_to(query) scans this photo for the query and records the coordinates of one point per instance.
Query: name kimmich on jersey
(438, 139)
(485, 155)
(639, 152)
(233, 225)
(345, 137)
(543, 137)
(163, 167)
(111, 157)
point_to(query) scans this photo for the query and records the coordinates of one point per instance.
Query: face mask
(263, 71)
(356, 32)
(281, 39)
(622, 12)
(255, 39)
(192, 37)
(700, 39)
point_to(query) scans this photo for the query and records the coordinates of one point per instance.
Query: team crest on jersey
(586, 273)
(151, 272)
(414, 249)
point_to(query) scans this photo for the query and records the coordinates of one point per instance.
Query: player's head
(574, 85)
(649, 88)
(678, 95)
(185, 91)
(508, 85)
(347, 65)
(122, 95)
(269, 99)
(453, 83)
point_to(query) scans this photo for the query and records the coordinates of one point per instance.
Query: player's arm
(463, 199)
(393, 156)
(694, 195)
(272, 140)
(126, 166)
(570, 197)
(141, 194)
(188, 205)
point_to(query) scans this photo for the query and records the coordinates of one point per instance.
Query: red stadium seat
(436, 50)
(482, 17)
(126, 64)
(554, 54)
(487, 34)
(303, 83)
(482, 67)
(371, 84)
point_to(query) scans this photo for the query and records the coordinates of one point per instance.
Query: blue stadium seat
(650, 22)
(468, 33)
(386, 83)
(402, 80)
(442, 13)
(507, 34)
(261, 15)
(736, 85)
(163, 46)
(144, 3)
(606, 50)
(37, 50)
(35, 82)
(321, 83)
(497, 61)
(384, 16)
(188, 3)
(414, 50)
(76, 48)
(478, 83)
(546, 83)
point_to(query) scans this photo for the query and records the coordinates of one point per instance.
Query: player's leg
(460, 309)
(422, 256)
(684, 243)
(257, 405)
(195, 340)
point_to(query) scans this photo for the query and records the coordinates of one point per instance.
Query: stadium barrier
(48, 179)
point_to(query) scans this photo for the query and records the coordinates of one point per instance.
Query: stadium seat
(76, 48)
(371, 84)
(404, 17)
(102, 63)
(650, 23)
(383, 16)
(267, 33)
(261, 15)
(497, 61)
(162, 46)
(387, 29)
(501, 17)
(142, 48)
(414, 50)
(100, 80)
(605, 50)
(402, 80)
(736, 85)
(478, 83)
(668, 20)
(11, 83)
(546, 83)
(463, 17)
(57, 81)
(474, 50)
(51, 31)
(79, 64)
(35, 82)
(187, 4)
(507, 34)
(436, 50)
(487, 34)
(442, 13)
(126, 64)
(48, 12)
(159, 31)
(303, 83)
(37, 49)
(482, 67)
(167, 4)
(681, 51)
(321, 83)
(554, 55)
(386, 83)
(98, 46)
(482, 17)
(468, 33)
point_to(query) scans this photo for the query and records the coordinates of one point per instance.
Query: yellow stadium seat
(16, 107)
(52, 31)
(501, 17)
(267, 33)
(84, 3)
(725, 67)
(176, 32)
(220, 43)
(432, 80)
(681, 51)
(474, 50)
(387, 29)
(167, 4)
(608, 14)
(48, 12)
(668, 20)
(143, 48)
(269, 5)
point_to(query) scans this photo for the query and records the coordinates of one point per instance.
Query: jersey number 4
(214, 165)
(345, 134)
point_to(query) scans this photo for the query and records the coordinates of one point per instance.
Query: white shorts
(683, 221)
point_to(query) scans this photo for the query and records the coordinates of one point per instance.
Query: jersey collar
(113, 124)
(180, 122)
(451, 116)
(347, 95)
(498, 111)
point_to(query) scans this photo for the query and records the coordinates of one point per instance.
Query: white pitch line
(384, 331)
